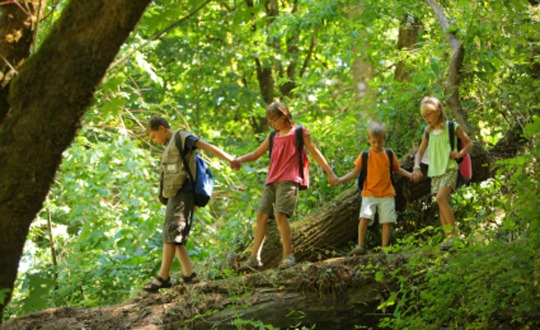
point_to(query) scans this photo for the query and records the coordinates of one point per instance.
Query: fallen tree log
(334, 294)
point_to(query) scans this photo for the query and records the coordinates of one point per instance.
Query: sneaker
(358, 250)
(287, 262)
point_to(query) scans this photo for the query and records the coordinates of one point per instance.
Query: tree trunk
(409, 30)
(453, 78)
(17, 28)
(329, 295)
(46, 101)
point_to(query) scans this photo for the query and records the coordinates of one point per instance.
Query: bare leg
(445, 211)
(166, 263)
(185, 261)
(285, 233)
(260, 232)
(362, 230)
(385, 234)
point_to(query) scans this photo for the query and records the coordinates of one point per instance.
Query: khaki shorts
(279, 197)
(385, 206)
(178, 218)
(448, 179)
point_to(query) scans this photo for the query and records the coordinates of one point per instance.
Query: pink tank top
(285, 163)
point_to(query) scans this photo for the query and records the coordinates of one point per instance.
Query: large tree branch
(456, 62)
(16, 36)
(46, 103)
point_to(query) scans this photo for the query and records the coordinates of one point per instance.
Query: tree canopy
(80, 178)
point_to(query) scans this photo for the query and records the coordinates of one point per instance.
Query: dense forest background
(211, 67)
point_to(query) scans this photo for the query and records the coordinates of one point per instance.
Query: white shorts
(385, 206)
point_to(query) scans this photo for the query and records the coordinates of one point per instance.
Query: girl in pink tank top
(283, 181)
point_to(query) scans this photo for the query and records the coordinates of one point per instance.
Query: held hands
(235, 164)
(416, 175)
(333, 179)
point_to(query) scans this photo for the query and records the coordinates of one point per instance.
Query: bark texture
(335, 294)
(45, 103)
(409, 30)
(454, 71)
(18, 23)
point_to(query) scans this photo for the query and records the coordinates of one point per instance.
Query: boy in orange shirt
(378, 192)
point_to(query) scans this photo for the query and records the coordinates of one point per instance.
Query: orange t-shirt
(378, 183)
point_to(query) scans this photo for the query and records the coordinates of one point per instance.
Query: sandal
(288, 262)
(153, 287)
(191, 279)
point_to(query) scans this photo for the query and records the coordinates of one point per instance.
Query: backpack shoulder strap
(390, 155)
(299, 137)
(300, 147)
(183, 155)
(451, 134)
(365, 155)
(363, 173)
(271, 142)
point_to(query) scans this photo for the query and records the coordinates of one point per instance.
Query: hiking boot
(358, 251)
(287, 262)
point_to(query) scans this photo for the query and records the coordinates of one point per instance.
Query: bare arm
(417, 173)
(218, 152)
(403, 172)
(349, 176)
(466, 145)
(252, 156)
(319, 158)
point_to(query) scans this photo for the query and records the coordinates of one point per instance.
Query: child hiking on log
(285, 177)
(374, 169)
(443, 166)
(176, 192)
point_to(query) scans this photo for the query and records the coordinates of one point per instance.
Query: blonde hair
(376, 130)
(430, 103)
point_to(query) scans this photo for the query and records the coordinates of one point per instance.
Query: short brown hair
(155, 122)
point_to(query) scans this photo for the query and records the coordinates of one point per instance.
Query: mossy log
(334, 294)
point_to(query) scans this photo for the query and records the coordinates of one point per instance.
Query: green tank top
(439, 152)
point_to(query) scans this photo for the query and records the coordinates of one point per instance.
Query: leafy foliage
(488, 281)
(199, 68)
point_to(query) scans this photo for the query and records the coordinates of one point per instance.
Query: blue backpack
(204, 183)
(363, 173)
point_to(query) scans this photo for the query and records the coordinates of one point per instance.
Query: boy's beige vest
(172, 168)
